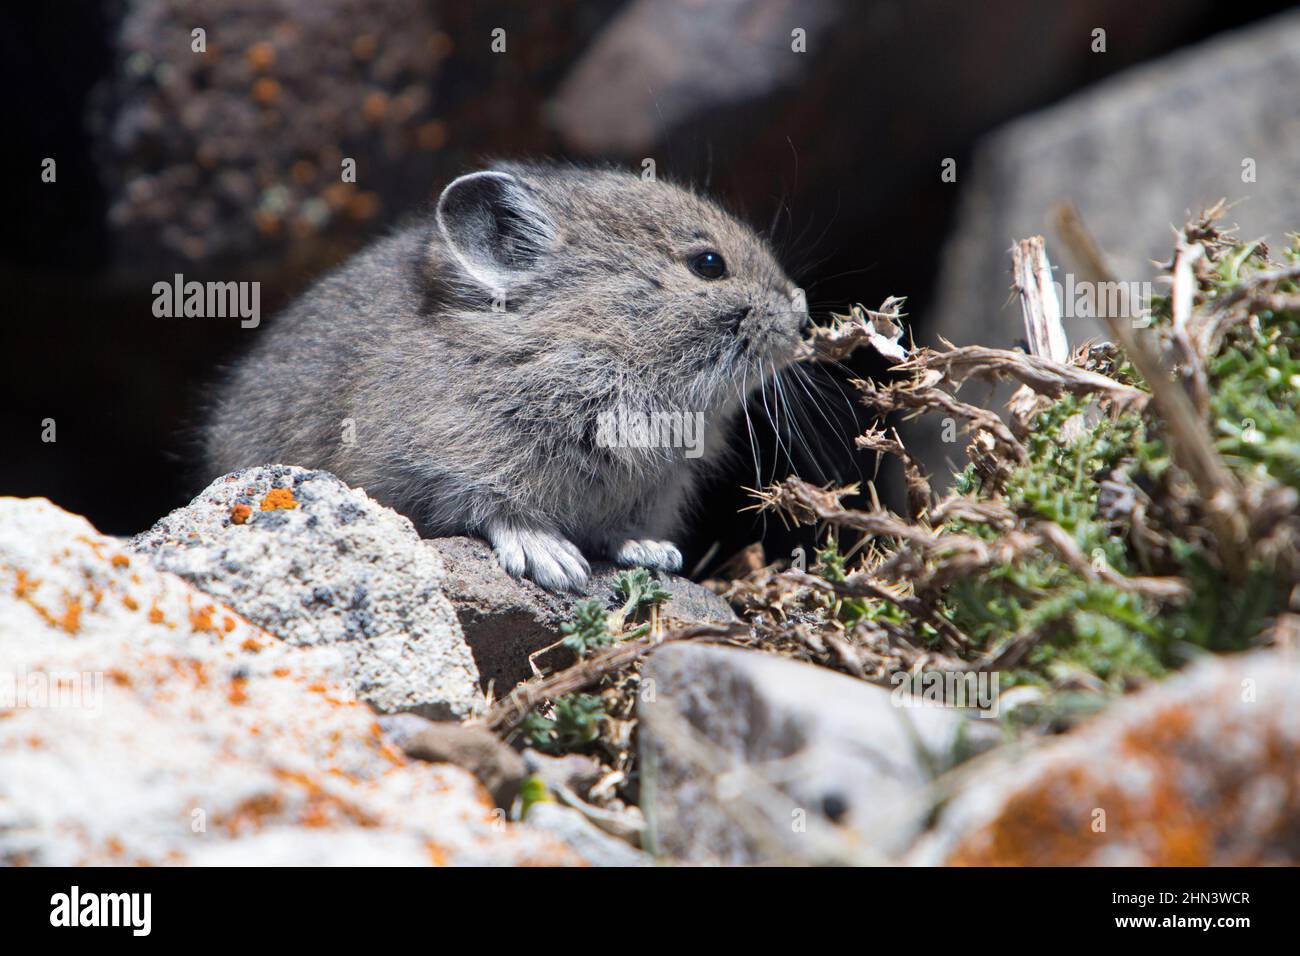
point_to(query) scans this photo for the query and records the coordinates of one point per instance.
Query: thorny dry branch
(916, 558)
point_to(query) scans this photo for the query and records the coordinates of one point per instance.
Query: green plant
(575, 723)
(638, 591)
(589, 630)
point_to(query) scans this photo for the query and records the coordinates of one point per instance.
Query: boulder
(1202, 769)
(748, 757)
(495, 765)
(1137, 153)
(505, 619)
(315, 562)
(144, 722)
(575, 831)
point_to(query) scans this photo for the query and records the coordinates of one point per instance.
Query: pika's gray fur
(397, 373)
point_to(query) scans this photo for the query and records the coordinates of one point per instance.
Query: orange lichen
(156, 615)
(363, 206)
(1187, 812)
(261, 56)
(131, 603)
(392, 754)
(364, 46)
(323, 807)
(201, 620)
(251, 645)
(278, 499)
(252, 813)
(440, 45)
(121, 561)
(238, 690)
(71, 620)
(431, 135)
(374, 107)
(24, 586)
(266, 90)
(240, 513)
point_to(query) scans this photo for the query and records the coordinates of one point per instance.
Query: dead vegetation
(1136, 505)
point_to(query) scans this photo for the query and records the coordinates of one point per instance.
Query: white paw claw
(550, 560)
(644, 552)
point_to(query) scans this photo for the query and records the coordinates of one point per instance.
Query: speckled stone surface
(313, 561)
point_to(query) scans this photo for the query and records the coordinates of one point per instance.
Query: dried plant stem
(507, 713)
(1038, 303)
(1190, 439)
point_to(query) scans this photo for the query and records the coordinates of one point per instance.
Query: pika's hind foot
(646, 553)
(549, 559)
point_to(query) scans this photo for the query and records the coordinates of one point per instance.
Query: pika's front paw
(550, 560)
(646, 553)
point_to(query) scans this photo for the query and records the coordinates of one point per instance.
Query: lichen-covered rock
(315, 562)
(1201, 770)
(574, 830)
(141, 721)
(749, 757)
(505, 619)
(233, 144)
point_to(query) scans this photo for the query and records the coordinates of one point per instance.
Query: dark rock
(505, 619)
(499, 768)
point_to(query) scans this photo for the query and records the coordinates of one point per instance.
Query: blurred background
(224, 166)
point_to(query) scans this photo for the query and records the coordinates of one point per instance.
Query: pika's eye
(709, 265)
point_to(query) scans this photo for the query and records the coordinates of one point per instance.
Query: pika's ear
(493, 227)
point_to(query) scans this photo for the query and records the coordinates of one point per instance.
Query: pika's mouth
(780, 338)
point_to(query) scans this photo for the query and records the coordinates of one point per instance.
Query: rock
(233, 152)
(750, 758)
(1200, 770)
(505, 619)
(591, 843)
(315, 562)
(141, 721)
(1136, 153)
(682, 57)
(499, 768)
(574, 772)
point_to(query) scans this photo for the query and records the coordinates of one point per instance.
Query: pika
(477, 370)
